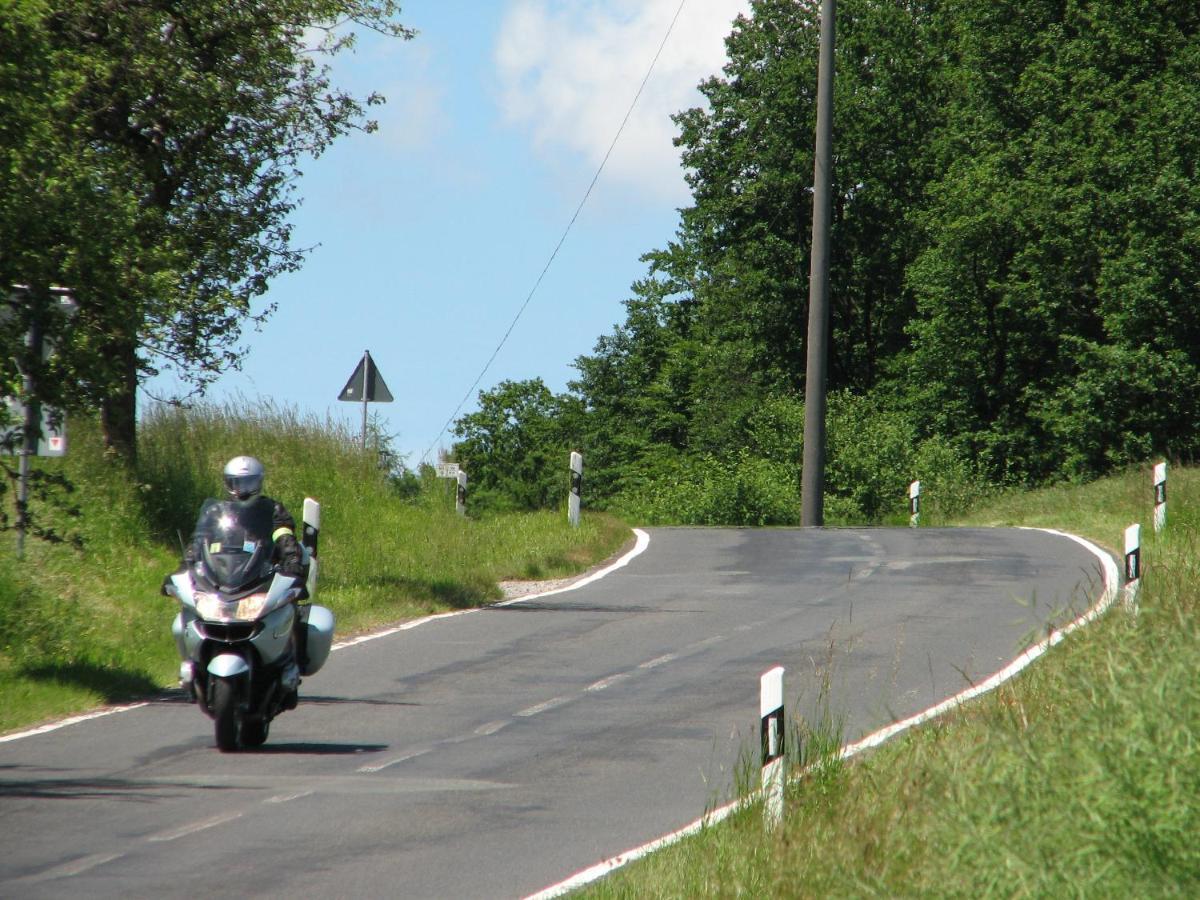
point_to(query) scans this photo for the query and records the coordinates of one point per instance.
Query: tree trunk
(118, 411)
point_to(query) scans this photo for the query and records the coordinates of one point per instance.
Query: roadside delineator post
(771, 712)
(1133, 565)
(576, 488)
(1160, 497)
(914, 504)
(460, 496)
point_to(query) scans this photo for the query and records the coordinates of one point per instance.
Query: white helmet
(244, 477)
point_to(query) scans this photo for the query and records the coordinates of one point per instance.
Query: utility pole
(812, 483)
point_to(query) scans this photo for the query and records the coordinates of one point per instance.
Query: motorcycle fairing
(233, 542)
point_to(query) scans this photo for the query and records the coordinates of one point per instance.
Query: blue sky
(429, 234)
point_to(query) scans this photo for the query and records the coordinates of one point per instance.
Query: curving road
(493, 753)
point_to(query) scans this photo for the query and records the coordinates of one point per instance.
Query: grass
(81, 628)
(1079, 778)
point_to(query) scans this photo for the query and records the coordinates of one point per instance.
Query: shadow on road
(99, 788)
(307, 748)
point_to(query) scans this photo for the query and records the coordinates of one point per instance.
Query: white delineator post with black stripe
(1133, 564)
(1160, 497)
(914, 504)
(576, 488)
(771, 712)
(460, 495)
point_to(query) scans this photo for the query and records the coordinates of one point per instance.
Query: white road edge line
(1109, 596)
(641, 543)
(73, 720)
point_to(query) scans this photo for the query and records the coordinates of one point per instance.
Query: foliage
(1056, 291)
(1014, 273)
(516, 447)
(149, 161)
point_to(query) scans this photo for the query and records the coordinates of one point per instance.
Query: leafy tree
(516, 447)
(1058, 328)
(718, 327)
(177, 131)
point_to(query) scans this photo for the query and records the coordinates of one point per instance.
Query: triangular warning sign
(367, 381)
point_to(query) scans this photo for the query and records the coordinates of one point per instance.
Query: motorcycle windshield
(234, 542)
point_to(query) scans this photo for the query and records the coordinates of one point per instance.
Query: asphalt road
(494, 753)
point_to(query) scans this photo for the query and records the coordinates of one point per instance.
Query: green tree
(178, 131)
(515, 448)
(719, 325)
(1058, 328)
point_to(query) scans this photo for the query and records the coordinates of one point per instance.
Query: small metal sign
(366, 385)
(447, 470)
(53, 441)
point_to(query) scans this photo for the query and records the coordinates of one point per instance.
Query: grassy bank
(83, 627)
(1079, 778)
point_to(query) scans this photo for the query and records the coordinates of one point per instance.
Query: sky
(429, 235)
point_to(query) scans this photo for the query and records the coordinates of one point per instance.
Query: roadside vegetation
(84, 626)
(1081, 777)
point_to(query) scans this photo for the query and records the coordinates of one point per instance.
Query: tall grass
(1080, 778)
(82, 627)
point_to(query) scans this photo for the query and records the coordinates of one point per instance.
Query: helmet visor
(243, 486)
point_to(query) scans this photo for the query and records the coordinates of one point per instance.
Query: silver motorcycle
(244, 631)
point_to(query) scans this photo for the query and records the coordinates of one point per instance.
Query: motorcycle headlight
(211, 606)
(250, 607)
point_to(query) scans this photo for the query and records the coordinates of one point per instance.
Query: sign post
(460, 496)
(770, 707)
(1160, 497)
(914, 504)
(366, 385)
(576, 488)
(1133, 564)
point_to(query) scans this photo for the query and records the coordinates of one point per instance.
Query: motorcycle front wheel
(225, 714)
(254, 734)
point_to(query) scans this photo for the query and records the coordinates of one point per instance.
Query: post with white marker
(770, 707)
(1160, 497)
(914, 504)
(576, 488)
(1133, 565)
(460, 496)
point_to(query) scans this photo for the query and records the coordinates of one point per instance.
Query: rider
(243, 480)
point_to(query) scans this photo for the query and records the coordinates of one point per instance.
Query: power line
(566, 231)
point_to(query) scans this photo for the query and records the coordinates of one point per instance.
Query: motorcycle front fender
(228, 665)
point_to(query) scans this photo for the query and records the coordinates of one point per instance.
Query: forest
(1014, 276)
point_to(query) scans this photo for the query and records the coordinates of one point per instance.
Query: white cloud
(568, 70)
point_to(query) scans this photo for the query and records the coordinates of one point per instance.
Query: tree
(184, 124)
(515, 447)
(719, 325)
(1058, 329)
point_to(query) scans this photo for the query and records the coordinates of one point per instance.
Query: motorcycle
(244, 633)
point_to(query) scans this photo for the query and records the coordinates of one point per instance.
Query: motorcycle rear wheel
(225, 715)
